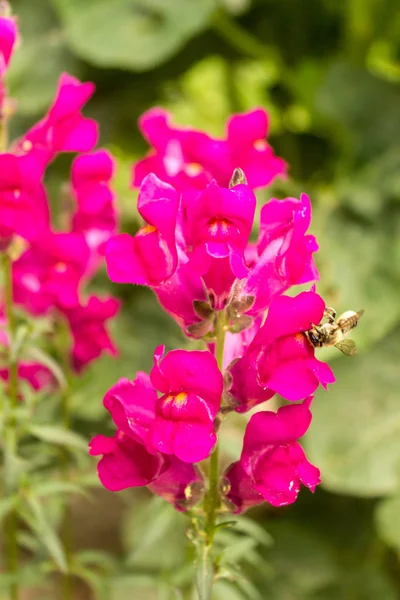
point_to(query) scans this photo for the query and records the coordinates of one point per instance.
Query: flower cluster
(195, 252)
(51, 265)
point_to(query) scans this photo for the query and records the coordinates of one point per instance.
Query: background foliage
(328, 72)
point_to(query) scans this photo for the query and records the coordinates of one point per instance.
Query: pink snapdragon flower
(8, 37)
(37, 375)
(273, 464)
(49, 273)
(280, 359)
(63, 129)
(181, 484)
(89, 331)
(95, 216)
(284, 252)
(189, 159)
(150, 257)
(23, 203)
(218, 223)
(191, 385)
(128, 459)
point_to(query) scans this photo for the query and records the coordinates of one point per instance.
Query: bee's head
(315, 336)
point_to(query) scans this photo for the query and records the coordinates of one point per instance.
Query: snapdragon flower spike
(273, 463)
(189, 159)
(49, 273)
(191, 386)
(285, 252)
(280, 359)
(23, 203)
(128, 460)
(89, 331)
(63, 129)
(218, 225)
(95, 216)
(150, 257)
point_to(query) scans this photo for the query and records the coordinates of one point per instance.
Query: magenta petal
(130, 465)
(241, 491)
(173, 483)
(309, 475)
(101, 444)
(162, 434)
(293, 380)
(287, 424)
(277, 487)
(131, 405)
(245, 389)
(194, 372)
(193, 442)
(322, 372)
(288, 315)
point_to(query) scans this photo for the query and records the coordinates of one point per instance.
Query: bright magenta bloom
(89, 331)
(49, 273)
(173, 483)
(189, 159)
(217, 225)
(273, 464)
(8, 36)
(95, 216)
(191, 385)
(37, 375)
(128, 460)
(23, 202)
(63, 129)
(150, 257)
(280, 359)
(285, 252)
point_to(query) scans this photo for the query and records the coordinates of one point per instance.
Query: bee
(333, 332)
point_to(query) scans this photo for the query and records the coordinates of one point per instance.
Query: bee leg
(330, 314)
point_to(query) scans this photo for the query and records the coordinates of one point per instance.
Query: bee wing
(347, 346)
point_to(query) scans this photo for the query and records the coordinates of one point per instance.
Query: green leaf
(7, 505)
(355, 435)
(58, 435)
(131, 34)
(254, 529)
(387, 521)
(36, 519)
(41, 57)
(49, 488)
(204, 573)
(97, 583)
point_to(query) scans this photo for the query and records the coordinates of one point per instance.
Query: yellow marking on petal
(260, 145)
(27, 145)
(146, 230)
(180, 398)
(60, 267)
(193, 169)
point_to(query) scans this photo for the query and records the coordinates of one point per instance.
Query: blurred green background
(328, 72)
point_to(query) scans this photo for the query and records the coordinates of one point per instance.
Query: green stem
(66, 531)
(212, 500)
(238, 37)
(10, 430)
